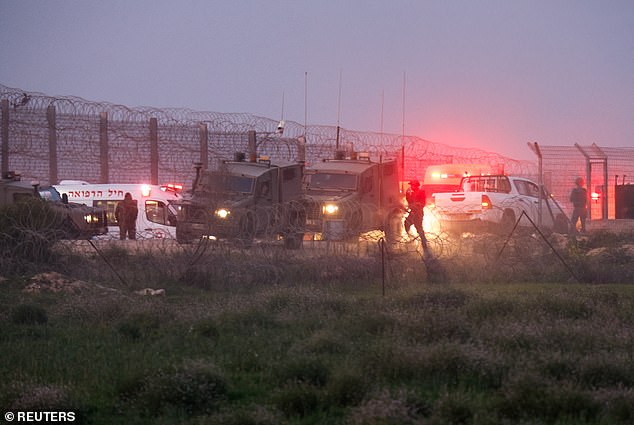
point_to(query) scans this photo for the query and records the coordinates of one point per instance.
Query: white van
(157, 215)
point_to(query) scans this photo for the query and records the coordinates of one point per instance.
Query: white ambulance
(157, 215)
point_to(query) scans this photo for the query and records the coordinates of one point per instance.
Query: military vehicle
(75, 221)
(243, 200)
(348, 197)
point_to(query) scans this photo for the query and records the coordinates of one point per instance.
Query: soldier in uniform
(126, 214)
(579, 199)
(416, 200)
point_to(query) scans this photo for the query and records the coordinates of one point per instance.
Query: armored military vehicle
(74, 221)
(347, 197)
(243, 200)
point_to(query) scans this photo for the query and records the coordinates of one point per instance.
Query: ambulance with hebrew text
(157, 212)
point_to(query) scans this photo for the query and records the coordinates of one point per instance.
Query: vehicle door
(531, 204)
(264, 194)
(548, 212)
(553, 214)
(390, 195)
(370, 197)
(292, 178)
(157, 217)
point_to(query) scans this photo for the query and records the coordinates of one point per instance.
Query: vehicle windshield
(49, 194)
(332, 181)
(222, 183)
(486, 184)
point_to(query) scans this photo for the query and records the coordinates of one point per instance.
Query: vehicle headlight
(88, 218)
(222, 213)
(330, 209)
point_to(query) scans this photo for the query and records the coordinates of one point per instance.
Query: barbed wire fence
(55, 138)
(50, 139)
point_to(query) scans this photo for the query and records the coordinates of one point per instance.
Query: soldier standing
(126, 214)
(579, 199)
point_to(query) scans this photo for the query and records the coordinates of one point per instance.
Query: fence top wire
(378, 143)
(321, 140)
(594, 152)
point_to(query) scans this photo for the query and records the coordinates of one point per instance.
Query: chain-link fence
(56, 138)
(608, 174)
(50, 139)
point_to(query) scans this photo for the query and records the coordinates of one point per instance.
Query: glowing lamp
(222, 213)
(330, 209)
(595, 196)
(145, 190)
(172, 187)
(486, 203)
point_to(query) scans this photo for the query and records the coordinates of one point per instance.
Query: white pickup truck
(495, 202)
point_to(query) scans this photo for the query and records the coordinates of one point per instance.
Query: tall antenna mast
(382, 106)
(339, 100)
(403, 129)
(305, 101)
(403, 135)
(282, 117)
(281, 124)
(338, 113)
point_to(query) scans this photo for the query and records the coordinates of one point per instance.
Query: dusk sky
(489, 74)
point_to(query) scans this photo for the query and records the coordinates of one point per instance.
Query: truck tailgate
(458, 203)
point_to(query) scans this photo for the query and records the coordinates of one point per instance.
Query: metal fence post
(203, 133)
(154, 154)
(252, 145)
(52, 144)
(103, 147)
(540, 179)
(5, 136)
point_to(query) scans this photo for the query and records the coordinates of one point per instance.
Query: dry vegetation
(328, 334)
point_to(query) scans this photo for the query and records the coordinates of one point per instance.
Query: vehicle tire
(393, 228)
(508, 222)
(181, 235)
(246, 230)
(354, 222)
(293, 240)
(184, 234)
(71, 230)
(296, 224)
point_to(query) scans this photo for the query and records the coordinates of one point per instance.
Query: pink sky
(490, 74)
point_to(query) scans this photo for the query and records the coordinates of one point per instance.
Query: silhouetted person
(579, 199)
(416, 200)
(126, 214)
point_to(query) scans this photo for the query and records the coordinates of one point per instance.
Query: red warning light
(172, 187)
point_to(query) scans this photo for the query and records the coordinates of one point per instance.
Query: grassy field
(243, 339)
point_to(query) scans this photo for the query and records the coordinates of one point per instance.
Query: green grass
(231, 348)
